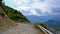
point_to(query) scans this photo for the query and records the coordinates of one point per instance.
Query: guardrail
(44, 30)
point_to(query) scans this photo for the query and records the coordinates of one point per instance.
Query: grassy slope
(15, 15)
(9, 17)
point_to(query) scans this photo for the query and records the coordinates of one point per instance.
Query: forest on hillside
(15, 15)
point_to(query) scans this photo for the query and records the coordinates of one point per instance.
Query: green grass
(14, 14)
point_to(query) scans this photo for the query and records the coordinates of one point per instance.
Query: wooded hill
(9, 16)
(14, 14)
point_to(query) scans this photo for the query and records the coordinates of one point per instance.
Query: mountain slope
(5, 21)
(14, 14)
(9, 17)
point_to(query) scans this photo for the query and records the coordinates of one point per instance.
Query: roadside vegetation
(15, 15)
(42, 24)
(9, 16)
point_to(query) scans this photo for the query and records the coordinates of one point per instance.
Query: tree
(0, 2)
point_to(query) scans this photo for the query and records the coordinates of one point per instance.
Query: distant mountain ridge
(52, 21)
(33, 18)
(53, 24)
(38, 18)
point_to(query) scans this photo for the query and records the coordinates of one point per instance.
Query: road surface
(21, 29)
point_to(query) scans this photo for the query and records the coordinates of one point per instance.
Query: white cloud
(30, 5)
(23, 8)
(33, 12)
(35, 4)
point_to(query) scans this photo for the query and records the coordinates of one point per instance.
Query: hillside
(14, 14)
(5, 21)
(9, 17)
(21, 28)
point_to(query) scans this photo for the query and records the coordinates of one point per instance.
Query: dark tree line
(0, 2)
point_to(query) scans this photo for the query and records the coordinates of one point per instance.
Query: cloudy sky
(35, 7)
